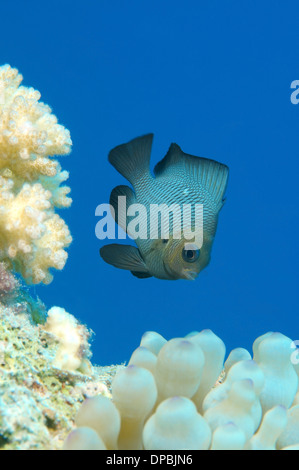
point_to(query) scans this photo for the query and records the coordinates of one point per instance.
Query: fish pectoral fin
(141, 275)
(121, 214)
(132, 159)
(124, 257)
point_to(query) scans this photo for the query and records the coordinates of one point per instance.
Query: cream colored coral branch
(32, 236)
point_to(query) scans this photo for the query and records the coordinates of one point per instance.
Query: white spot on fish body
(186, 191)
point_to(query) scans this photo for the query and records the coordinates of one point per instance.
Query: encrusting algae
(173, 395)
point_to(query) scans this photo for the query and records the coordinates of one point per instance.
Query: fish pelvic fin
(125, 257)
(132, 159)
(120, 213)
(212, 175)
(141, 275)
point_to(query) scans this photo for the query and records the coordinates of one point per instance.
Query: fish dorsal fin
(121, 213)
(210, 174)
(173, 157)
(124, 257)
(132, 159)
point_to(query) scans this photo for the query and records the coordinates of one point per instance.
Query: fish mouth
(189, 275)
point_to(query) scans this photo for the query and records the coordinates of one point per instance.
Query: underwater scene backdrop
(216, 79)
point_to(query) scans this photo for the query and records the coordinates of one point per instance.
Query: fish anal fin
(133, 158)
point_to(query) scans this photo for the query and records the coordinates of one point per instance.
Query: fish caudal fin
(132, 159)
(210, 174)
(120, 206)
(125, 257)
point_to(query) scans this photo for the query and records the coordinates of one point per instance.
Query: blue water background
(215, 78)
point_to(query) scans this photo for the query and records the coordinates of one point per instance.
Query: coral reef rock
(39, 396)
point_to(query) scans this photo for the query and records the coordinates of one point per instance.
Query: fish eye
(190, 255)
